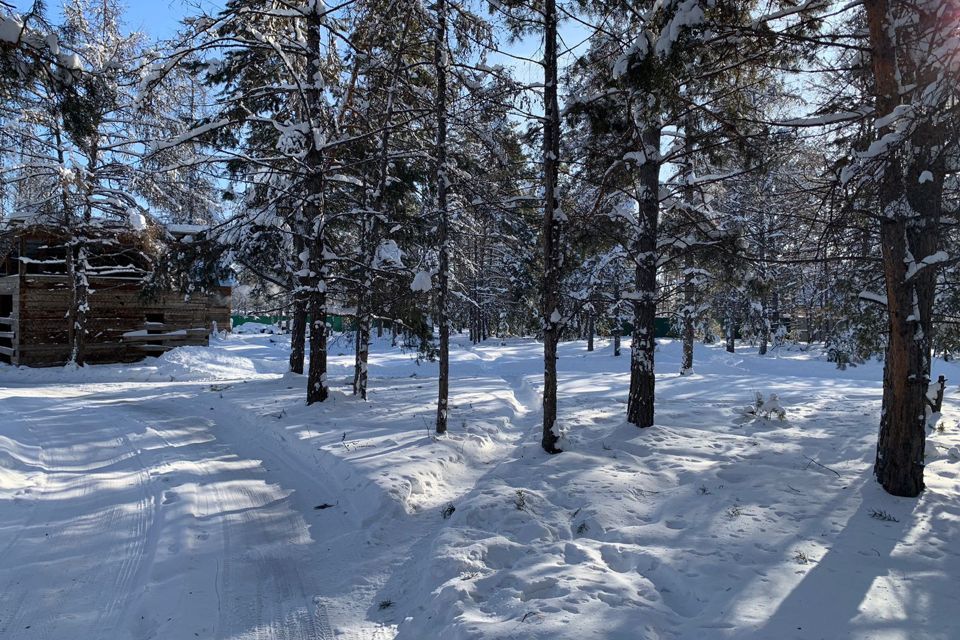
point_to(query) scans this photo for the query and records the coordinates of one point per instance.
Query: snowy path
(177, 510)
(138, 521)
(195, 496)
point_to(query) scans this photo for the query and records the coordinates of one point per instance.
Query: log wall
(9, 310)
(117, 307)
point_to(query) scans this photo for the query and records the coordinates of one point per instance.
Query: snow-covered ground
(194, 496)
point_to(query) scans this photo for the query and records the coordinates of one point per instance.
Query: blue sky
(158, 18)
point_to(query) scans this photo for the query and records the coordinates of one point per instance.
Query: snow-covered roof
(187, 229)
(25, 217)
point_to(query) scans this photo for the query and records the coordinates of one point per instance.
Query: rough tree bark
(910, 200)
(443, 223)
(689, 302)
(640, 402)
(689, 289)
(762, 272)
(79, 297)
(364, 310)
(298, 332)
(78, 271)
(550, 303)
(75, 258)
(314, 212)
(730, 330)
(591, 329)
(615, 321)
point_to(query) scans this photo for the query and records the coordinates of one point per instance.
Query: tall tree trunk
(764, 326)
(764, 310)
(443, 231)
(640, 403)
(475, 291)
(731, 333)
(616, 322)
(80, 289)
(365, 288)
(689, 304)
(76, 255)
(314, 211)
(910, 200)
(298, 332)
(689, 289)
(364, 294)
(550, 304)
(362, 351)
(591, 329)
(776, 337)
(317, 374)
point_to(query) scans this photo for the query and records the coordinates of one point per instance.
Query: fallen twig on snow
(820, 465)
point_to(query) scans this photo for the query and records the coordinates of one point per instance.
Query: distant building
(126, 320)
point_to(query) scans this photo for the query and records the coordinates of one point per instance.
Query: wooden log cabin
(125, 322)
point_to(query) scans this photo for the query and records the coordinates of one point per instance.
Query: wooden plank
(166, 327)
(158, 348)
(61, 352)
(166, 337)
(7, 351)
(117, 306)
(167, 347)
(55, 330)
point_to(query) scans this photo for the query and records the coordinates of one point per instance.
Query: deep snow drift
(195, 496)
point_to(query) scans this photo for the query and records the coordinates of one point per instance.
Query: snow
(10, 29)
(913, 268)
(186, 136)
(137, 220)
(388, 256)
(53, 44)
(421, 282)
(872, 296)
(256, 327)
(187, 229)
(195, 495)
(688, 14)
(71, 61)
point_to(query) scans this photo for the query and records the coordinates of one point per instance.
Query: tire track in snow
(254, 520)
(323, 619)
(61, 476)
(10, 418)
(143, 535)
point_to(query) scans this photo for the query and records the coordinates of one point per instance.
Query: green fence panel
(337, 323)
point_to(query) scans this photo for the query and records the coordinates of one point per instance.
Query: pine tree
(915, 84)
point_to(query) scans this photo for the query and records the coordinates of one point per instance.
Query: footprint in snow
(170, 497)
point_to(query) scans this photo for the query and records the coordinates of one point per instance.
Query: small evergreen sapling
(765, 409)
